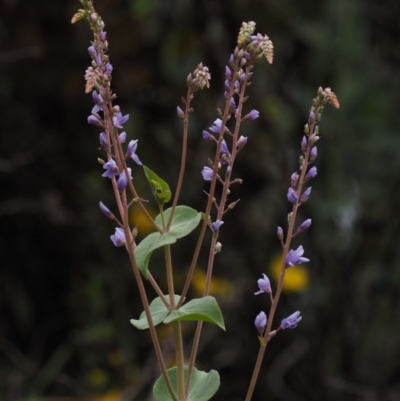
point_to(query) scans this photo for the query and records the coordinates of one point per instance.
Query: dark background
(67, 294)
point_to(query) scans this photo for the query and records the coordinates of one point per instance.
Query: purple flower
(108, 69)
(92, 51)
(131, 152)
(236, 85)
(98, 101)
(304, 225)
(119, 238)
(228, 72)
(216, 225)
(312, 117)
(241, 142)
(111, 169)
(180, 112)
(105, 210)
(216, 127)
(232, 106)
(279, 233)
(122, 137)
(313, 153)
(207, 173)
(264, 285)
(252, 115)
(261, 321)
(304, 144)
(94, 120)
(306, 195)
(207, 136)
(119, 119)
(311, 173)
(103, 140)
(295, 257)
(291, 321)
(224, 148)
(291, 195)
(123, 180)
(293, 179)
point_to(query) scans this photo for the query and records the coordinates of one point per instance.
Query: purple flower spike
(207, 173)
(94, 121)
(291, 195)
(123, 180)
(119, 119)
(118, 238)
(264, 285)
(105, 210)
(216, 127)
(122, 137)
(311, 173)
(291, 321)
(103, 140)
(295, 257)
(131, 152)
(252, 115)
(180, 112)
(313, 153)
(111, 169)
(207, 136)
(216, 225)
(306, 195)
(304, 225)
(261, 321)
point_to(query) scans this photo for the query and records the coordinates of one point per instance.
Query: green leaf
(159, 187)
(158, 312)
(203, 309)
(202, 386)
(185, 220)
(146, 247)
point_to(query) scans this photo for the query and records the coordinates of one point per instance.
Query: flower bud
(261, 322)
(279, 233)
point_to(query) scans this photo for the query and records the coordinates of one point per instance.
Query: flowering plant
(185, 382)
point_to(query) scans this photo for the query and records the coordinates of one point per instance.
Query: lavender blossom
(241, 142)
(306, 195)
(94, 121)
(105, 210)
(207, 173)
(224, 148)
(122, 137)
(103, 140)
(291, 321)
(216, 225)
(180, 112)
(311, 173)
(293, 179)
(291, 195)
(252, 115)
(207, 136)
(304, 143)
(119, 238)
(313, 153)
(216, 126)
(119, 119)
(264, 285)
(279, 233)
(261, 322)
(111, 169)
(295, 257)
(228, 73)
(304, 225)
(131, 152)
(123, 180)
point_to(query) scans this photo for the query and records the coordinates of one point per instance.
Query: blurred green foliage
(67, 295)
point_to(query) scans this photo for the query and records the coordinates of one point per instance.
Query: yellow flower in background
(297, 277)
(112, 395)
(97, 377)
(218, 286)
(137, 218)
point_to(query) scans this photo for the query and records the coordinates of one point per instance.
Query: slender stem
(175, 326)
(189, 97)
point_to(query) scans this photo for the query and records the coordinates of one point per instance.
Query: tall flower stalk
(179, 383)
